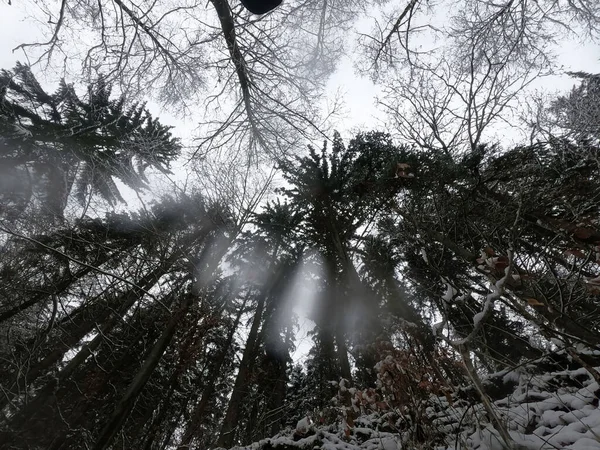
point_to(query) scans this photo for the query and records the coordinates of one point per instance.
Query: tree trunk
(341, 309)
(209, 390)
(227, 435)
(115, 311)
(254, 427)
(148, 426)
(277, 399)
(127, 401)
(64, 284)
(400, 307)
(109, 317)
(44, 396)
(46, 402)
(152, 433)
(342, 352)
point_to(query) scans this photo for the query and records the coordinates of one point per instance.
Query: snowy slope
(549, 404)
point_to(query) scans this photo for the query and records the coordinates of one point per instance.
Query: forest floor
(551, 403)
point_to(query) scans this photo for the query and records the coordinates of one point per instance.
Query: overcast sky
(361, 112)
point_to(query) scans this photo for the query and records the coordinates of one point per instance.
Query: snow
(424, 256)
(438, 327)
(511, 376)
(342, 385)
(22, 132)
(303, 426)
(450, 293)
(541, 411)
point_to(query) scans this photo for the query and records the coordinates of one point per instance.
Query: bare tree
(453, 72)
(440, 106)
(258, 79)
(519, 30)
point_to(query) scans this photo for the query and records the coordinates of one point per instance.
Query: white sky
(359, 93)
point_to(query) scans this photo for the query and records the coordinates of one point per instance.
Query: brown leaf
(593, 289)
(381, 406)
(534, 302)
(350, 422)
(593, 281)
(448, 398)
(575, 252)
(500, 263)
(489, 251)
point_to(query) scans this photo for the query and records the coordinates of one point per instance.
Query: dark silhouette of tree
(116, 328)
(58, 144)
(577, 114)
(337, 192)
(266, 351)
(174, 326)
(458, 229)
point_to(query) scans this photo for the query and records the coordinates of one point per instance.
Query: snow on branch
(481, 317)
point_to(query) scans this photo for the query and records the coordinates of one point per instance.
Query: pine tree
(337, 192)
(54, 145)
(120, 337)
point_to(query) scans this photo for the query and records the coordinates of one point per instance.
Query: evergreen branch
(7, 230)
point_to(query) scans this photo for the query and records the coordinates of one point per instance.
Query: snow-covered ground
(551, 403)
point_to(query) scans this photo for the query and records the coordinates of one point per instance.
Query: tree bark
(227, 435)
(209, 390)
(127, 401)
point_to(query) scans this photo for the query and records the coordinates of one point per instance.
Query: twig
(409, 8)
(487, 404)
(81, 263)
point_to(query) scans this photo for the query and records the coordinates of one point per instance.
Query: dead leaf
(575, 252)
(449, 398)
(534, 302)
